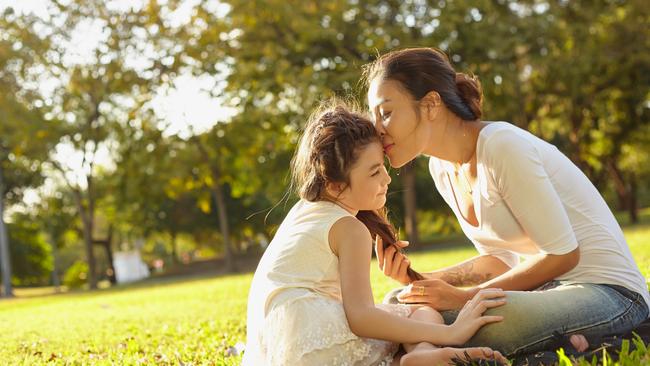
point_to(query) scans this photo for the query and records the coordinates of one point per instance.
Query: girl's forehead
(370, 155)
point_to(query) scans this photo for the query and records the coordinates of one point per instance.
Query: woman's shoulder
(498, 139)
(499, 130)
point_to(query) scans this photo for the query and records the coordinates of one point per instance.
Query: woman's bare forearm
(534, 272)
(471, 272)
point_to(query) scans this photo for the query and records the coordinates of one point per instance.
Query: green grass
(181, 322)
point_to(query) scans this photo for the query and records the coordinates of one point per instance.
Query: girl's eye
(375, 173)
(385, 116)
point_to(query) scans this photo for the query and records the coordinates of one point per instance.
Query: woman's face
(368, 181)
(396, 118)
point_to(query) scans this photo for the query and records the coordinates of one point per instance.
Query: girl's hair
(327, 150)
(422, 70)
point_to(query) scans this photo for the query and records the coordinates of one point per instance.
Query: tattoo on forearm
(463, 276)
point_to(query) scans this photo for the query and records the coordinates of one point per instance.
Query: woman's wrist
(434, 275)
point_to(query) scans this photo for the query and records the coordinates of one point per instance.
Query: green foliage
(31, 257)
(77, 275)
(25, 138)
(598, 106)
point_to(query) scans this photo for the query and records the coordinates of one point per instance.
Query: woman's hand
(471, 318)
(436, 293)
(392, 262)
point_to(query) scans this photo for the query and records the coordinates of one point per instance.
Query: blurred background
(153, 138)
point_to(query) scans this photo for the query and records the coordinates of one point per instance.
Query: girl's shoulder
(319, 209)
(348, 229)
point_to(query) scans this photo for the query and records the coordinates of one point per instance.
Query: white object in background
(129, 267)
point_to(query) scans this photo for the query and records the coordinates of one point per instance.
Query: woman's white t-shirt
(530, 198)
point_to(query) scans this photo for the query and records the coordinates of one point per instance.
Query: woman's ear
(431, 103)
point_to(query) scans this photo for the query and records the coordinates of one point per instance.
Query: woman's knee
(427, 313)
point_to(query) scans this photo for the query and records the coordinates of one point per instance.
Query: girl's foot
(579, 342)
(447, 355)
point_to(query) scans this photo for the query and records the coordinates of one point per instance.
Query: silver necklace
(467, 186)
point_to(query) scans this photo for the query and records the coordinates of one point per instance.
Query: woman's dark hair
(329, 147)
(422, 70)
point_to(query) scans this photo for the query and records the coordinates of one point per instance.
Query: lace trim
(348, 349)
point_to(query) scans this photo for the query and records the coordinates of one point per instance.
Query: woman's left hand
(436, 293)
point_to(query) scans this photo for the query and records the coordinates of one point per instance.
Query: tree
(595, 107)
(25, 138)
(31, 256)
(155, 192)
(56, 218)
(135, 53)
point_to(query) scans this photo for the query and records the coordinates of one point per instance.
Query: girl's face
(368, 181)
(396, 118)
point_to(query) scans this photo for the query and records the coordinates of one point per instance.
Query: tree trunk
(5, 260)
(410, 203)
(626, 191)
(633, 205)
(577, 141)
(109, 255)
(90, 255)
(175, 258)
(56, 281)
(522, 117)
(87, 223)
(106, 243)
(220, 204)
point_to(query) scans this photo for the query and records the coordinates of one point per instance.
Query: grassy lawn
(182, 322)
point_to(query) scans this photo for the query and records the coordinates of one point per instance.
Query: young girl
(310, 302)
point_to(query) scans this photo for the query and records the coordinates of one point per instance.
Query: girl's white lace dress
(295, 312)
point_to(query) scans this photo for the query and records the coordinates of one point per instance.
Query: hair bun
(470, 91)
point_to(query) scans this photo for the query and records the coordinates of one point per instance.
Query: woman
(514, 195)
(311, 302)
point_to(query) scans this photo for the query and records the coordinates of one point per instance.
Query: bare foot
(445, 356)
(579, 342)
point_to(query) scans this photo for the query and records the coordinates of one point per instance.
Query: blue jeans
(535, 320)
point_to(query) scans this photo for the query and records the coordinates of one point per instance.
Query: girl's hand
(471, 318)
(391, 261)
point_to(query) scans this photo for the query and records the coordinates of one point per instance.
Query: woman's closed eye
(375, 173)
(385, 116)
